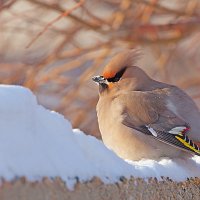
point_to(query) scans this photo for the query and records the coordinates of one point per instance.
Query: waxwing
(142, 118)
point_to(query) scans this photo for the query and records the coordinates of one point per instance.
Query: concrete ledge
(135, 188)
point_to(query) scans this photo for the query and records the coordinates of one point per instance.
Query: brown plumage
(142, 118)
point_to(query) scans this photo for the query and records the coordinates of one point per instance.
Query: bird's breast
(109, 118)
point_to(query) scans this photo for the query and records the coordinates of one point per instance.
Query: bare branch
(64, 14)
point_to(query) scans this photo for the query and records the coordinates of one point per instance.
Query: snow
(37, 143)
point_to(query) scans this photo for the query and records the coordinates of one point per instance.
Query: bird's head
(120, 71)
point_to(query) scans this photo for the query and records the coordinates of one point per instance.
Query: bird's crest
(121, 60)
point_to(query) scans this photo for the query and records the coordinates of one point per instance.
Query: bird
(141, 118)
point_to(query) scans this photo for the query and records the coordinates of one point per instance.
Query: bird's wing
(148, 113)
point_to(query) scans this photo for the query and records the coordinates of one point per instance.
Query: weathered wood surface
(95, 190)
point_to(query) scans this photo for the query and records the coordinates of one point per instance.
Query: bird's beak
(102, 82)
(99, 79)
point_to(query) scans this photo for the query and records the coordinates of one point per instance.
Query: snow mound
(37, 143)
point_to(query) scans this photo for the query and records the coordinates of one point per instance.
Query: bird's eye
(117, 76)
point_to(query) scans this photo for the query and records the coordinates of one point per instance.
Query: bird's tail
(187, 142)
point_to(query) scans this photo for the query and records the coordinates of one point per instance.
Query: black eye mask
(117, 76)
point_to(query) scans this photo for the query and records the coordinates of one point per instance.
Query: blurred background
(54, 47)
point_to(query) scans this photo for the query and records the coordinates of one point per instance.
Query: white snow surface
(37, 143)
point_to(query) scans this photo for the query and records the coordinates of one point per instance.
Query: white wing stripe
(153, 132)
(177, 130)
